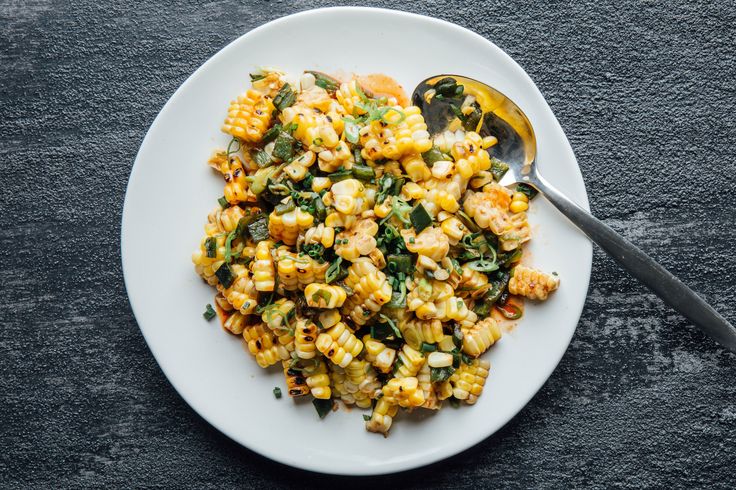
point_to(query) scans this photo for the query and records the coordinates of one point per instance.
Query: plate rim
(389, 467)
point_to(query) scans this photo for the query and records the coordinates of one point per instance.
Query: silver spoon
(517, 146)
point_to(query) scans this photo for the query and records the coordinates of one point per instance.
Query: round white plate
(171, 190)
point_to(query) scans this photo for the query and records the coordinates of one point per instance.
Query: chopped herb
(225, 275)
(314, 250)
(363, 172)
(352, 130)
(399, 263)
(420, 218)
(284, 98)
(498, 168)
(271, 134)
(223, 202)
(334, 271)
(434, 155)
(254, 77)
(527, 189)
(482, 265)
(323, 407)
(428, 347)
(261, 158)
(210, 245)
(440, 374)
(366, 417)
(391, 324)
(209, 312)
(325, 81)
(258, 229)
(277, 392)
(322, 294)
(284, 146)
(284, 208)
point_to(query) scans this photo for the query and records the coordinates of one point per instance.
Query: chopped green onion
(271, 134)
(482, 265)
(225, 275)
(366, 417)
(363, 172)
(468, 222)
(209, 312)
(323, 407)
(428, 347)
(284, 98)
(210, 245)
(325, 81)
(254, 77)
(420, 218)
(277, 392)
(314, 250)
(498, 168)
(391, 324)
(340, 175)
(322, 294)
(223, 202)
(440, 374)
(352, 130)
(258, 229)
(333, 272)
(434, 155)
(228, 245)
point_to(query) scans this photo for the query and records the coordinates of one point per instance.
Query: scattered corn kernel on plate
(368, 275)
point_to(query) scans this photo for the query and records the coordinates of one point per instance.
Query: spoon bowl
(453, 101)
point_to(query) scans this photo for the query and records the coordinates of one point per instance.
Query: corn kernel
(518, 206)
(439, 359)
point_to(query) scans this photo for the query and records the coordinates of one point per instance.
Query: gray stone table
(645, 91)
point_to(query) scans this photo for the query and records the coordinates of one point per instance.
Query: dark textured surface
(645, 92)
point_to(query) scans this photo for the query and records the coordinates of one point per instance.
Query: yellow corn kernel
(371, 290)
(321, 183)
(404, 391)
(234, 323)
(358, 240)
(410, 360)
(263, 271)
(518, 206)
(260, 343)
(380, 356)
(454, 229)
(480, 337)
(345, 195)
(242, 293)
(382, 417)
(416, 331)
(532, 283)
(286, 227)
(249, 116)
(382, 209)
(431, 242)
(324, 296)
(339, 344)
(305, 338)
(319, 382)
(411, 191)
(415, 167)
(468, 380)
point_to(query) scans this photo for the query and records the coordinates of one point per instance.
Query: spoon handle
(644, 268)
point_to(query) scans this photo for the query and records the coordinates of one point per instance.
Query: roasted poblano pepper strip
(420, 218)
(258, 228)
(225, 275)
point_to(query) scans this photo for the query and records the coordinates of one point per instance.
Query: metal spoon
(517, 146)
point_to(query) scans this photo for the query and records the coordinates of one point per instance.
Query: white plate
(171, 190)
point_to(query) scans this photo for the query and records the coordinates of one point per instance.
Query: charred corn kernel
(438, 199)
(329, 318)
(532, 283)
(308, 270)
(319, 382)
(487, 209)
(299, 167)
(443, 169)
(431, 242)
(454, 229)
(439, 359)
(518, 206)
(416, 331)
(398, 137)
(455, 309)
(371, 290)
(286, 227)
(424, 377)
(339, 344)
(321, 183)
(324, 296)
(415, 167)
(296, 382)
(517, 231)
(242, 293)
(249, 116)
(313, 129)
(404, 391)
(260, 343)
(473, 284)
(468, 380)
(324, 235)
(380, 356)
(382, 417)
(446, 344)
(480, 337)
(223, 220)
(286, 268)
(236, 187)
(481, 179)
(411, 191)
(349, 97)
(263, 272)
(409, 361)
(234, 323)
(332, 159)
(358, 240)
(305, 338)
(377, 258)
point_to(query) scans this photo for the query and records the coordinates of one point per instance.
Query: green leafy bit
(434, 155)
(399, 263)
(448, 87)
(389, 185)
(363, 172)
(314, 250)
(323, 407)
(271, 134)
(425, 347)
(277, 392)
(335, 272)
(391, 324)
(210, 246)
(225, 275)
(228, 246)
(498, 168)
(482, 309)
(340, 175)
(325, 81)
(258, 228)
(223, 202)
(366, 417)
(527, 189)
(284, 208)
(261, 158)
(352, 130)
(254, 77)
(284, 146)
(420, 218)
(209, 312)
(440, 374)
(284, 98)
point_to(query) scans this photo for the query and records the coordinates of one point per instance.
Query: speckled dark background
(645, 92)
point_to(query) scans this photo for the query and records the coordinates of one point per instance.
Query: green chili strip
(363, 172)
(225, 275)
(391, 324)
(209, 312)
(223, 202)
(210, 245)
(498, 168)
(258, 229)
(440, 374)
(284, 208)
(284, 98)
(420, 218)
